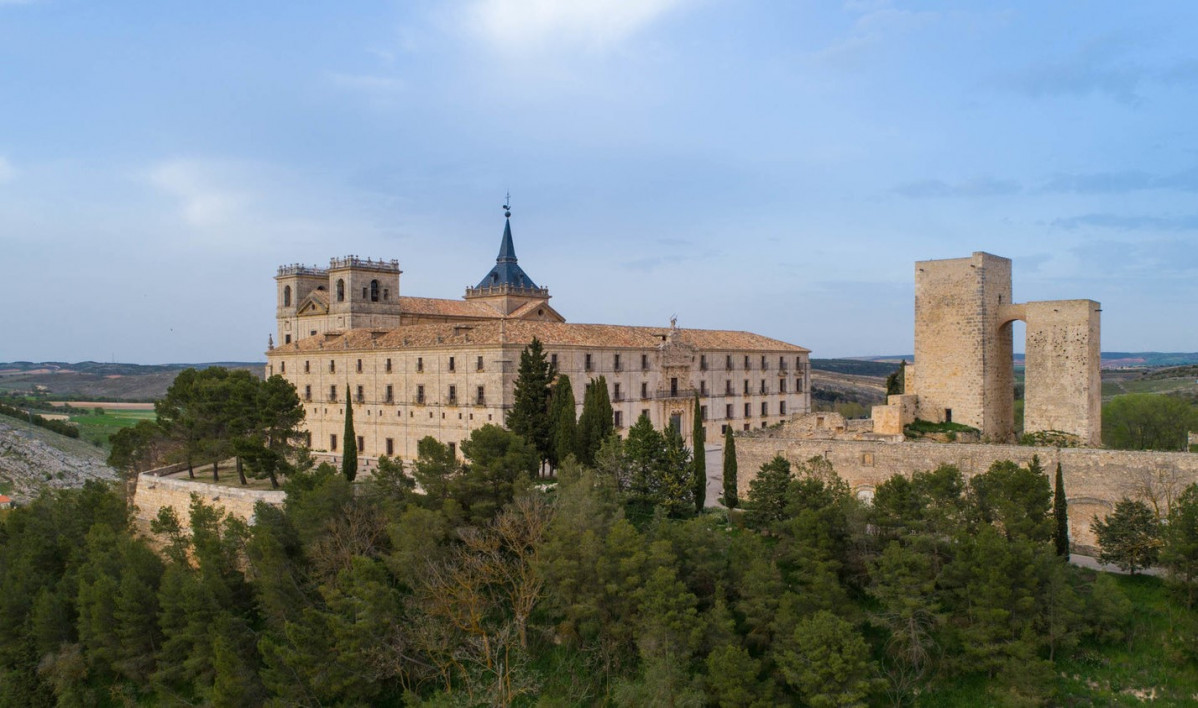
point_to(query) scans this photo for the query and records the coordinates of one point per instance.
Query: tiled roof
(507, 270)
(551, 334)
(447, 308)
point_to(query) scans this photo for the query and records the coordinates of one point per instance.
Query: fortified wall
(154, 492)
(1094, 479)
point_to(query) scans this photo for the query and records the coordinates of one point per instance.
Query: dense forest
(478, 581)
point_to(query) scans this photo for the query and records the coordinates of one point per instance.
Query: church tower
(507, 287)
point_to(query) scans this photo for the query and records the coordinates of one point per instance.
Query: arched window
(340, 291)
(286, 296)
(374, 291)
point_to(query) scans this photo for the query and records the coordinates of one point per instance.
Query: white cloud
(205, 201)
(7, 171)
(520, 25)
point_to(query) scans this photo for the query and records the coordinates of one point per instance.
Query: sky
(775, 167)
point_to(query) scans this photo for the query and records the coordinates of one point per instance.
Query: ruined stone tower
(964, 371)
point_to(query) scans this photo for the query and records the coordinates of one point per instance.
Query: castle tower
(294, 284)
(507, 287)
(363, 294)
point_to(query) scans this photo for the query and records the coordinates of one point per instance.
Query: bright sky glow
(774, 167)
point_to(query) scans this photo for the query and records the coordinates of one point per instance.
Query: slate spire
(507, 271)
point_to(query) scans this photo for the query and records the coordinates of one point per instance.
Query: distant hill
(96, 381)
(856, 367)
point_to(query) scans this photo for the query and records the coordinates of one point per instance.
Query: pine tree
(563, 423)
(895, 381)
(699, 457)
(731, 494)
(595, 423)
(349, 461)
(1060, 514)
(529, 416)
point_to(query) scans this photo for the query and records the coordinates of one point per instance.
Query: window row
(478, 365)
(480, 395)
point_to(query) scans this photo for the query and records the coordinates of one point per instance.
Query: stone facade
(964, 370)
(416, 367)
(1094, 479)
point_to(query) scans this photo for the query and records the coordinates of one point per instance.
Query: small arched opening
(374, 291)
(286, 296)
(340, 291)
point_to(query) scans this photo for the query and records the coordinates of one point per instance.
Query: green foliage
(921, 427)
(827, 661)
(529, 416)
(595, 424)
(767, 492)
(1145, 421)
(349, 456)
(1179, 554)
(1050, 438)
(1060, 516)
(563, 431)
(1129, 537)
(58, 426)
(731, 491)
(896, 381)
(497, 460)
(1016, 499)
(699, 457)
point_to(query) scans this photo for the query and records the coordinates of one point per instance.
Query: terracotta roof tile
(447, 308)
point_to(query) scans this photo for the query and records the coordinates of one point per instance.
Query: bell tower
(507, 287)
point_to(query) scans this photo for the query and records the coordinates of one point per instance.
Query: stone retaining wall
(154, 492)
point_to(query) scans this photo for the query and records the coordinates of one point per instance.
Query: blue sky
(775, 167)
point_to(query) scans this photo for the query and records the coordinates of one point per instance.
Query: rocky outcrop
(32, 459)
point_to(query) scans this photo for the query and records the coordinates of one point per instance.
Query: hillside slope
(32, 459)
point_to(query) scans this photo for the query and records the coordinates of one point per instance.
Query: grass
(96, 428)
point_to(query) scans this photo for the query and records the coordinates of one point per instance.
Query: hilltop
(96, 381)
(32, 459)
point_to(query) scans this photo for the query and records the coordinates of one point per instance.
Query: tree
(1180, 552)
(496, 460)
(699, 457)
(827, 661)
(1018, 499)
(563, 422)
(676, 475)
(274, 433)
(595, 423)
(1147, 421)
(1130, 537)
(179, 417)
(349, 459)
(731, 492)
(1060, 515)
(896, 381)
(767, 493)
(529, 415)
(645, 451)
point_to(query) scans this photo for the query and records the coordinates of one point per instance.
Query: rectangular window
(333, 394)
(618, 417)
(798, 385)
(388, 366)
(645, 412)
(674, 386)
(359, 366)
(723, 430)
(286, 339)
(763, 386)
(361, 396)
(728, 411)
(616, 392)
(307, 369)
(703, 412)
(390, 447)
(644, 390)
(616, 362)
(479, 364)
(419, 364)
(332, 366)
(765, 408)
(481, 396)
(746, 426)
(781, 362)
(728, 362)
(746, 362)
(781, 407)
(333, 443)
(308, 392)
(764, 365)
(453, 450)
(308, 440)
(728, 387)
(702, 388)
(587, 365)
(451, 365)
(798, 363)
(553, 360)
(746, 387)
(644, 362)
(748, 410)
(361, 444)
(283, 367)
(420, 394)
(453, 394)
(390, 393)
(781, 385)
(702, 362)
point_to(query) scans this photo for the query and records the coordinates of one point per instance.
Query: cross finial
(507, 205)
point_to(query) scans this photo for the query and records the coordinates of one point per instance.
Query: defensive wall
(1094, 479)
(154, 492)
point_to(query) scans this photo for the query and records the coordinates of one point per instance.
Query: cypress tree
(730, 489)
(563, 430)
(349, 461)
(1060, 513)
(529, 416)
(595, 423)
(699, 457)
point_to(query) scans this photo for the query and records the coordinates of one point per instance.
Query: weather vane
(507, 205)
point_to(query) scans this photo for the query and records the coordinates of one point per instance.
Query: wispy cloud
(7, 171)
(976, 187)
(520, 25)
(1152, 259)
(204, 200)
(1121, 182)
(1129, 223)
